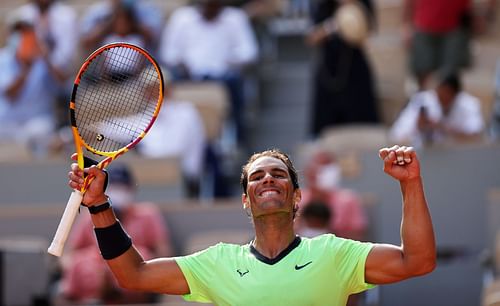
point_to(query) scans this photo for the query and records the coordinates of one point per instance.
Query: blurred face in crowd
(124, 22)
(122, 195)
(446, 95)
(315, 217)
(210, 9)
(23, 42)
(43, 4)
(15, 32)
(323, 172)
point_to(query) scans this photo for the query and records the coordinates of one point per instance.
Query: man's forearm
(126, 265)
(417, 234)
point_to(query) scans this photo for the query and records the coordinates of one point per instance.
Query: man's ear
(244, 200)
(297, 196)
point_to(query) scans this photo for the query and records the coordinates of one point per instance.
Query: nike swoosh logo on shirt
(297, 267)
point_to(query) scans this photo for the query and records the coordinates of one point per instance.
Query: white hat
(20, 15)
(352, 22)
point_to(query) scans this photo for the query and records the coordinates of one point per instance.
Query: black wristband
(97, 209)
(113, 241)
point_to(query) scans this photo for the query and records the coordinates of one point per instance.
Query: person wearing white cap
(56, 29)
(32, 69)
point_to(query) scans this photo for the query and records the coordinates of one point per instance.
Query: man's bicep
(384, 264)
(163, 275)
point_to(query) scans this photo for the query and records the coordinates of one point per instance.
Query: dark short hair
(275, 153)
(316, 210)
(452, 81)
(120, 173)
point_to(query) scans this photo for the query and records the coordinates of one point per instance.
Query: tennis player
(277, 267)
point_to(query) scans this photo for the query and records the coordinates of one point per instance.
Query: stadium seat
(346, 143)
(12, 151)
(211, 100)
(358, 137)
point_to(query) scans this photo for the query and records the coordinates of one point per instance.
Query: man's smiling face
(270, 189)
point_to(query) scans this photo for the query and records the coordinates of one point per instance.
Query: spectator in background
(34, 66)
(179, 132)
(437, 34)
(86, 278)
(445, 114)
(210, 41)
(315, 220)
(135, 21)
(323, 175)
(55, 25)
(343, 90)
(124, 27)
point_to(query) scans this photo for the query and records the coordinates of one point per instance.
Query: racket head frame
(79, 141)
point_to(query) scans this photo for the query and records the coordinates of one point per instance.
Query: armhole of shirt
(184, 266)
(364, 255)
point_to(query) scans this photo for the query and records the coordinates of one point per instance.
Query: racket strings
(116, 99)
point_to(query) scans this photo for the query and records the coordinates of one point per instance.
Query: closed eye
(279, 173)
(275, 173)
(256, 177)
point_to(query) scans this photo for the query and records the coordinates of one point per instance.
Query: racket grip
(67, 219)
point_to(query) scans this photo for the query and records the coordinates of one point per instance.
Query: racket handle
(67, 219)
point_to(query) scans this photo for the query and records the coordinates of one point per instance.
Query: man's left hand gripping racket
(116, 98)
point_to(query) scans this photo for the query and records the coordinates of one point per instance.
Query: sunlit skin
(270, 189)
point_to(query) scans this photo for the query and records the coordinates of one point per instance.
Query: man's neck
(273, 234)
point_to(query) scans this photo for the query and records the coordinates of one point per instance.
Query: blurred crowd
(216, 41)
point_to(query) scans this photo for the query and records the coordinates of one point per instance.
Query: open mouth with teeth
(269, 193)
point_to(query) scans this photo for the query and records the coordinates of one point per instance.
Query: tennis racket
(116, 98)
